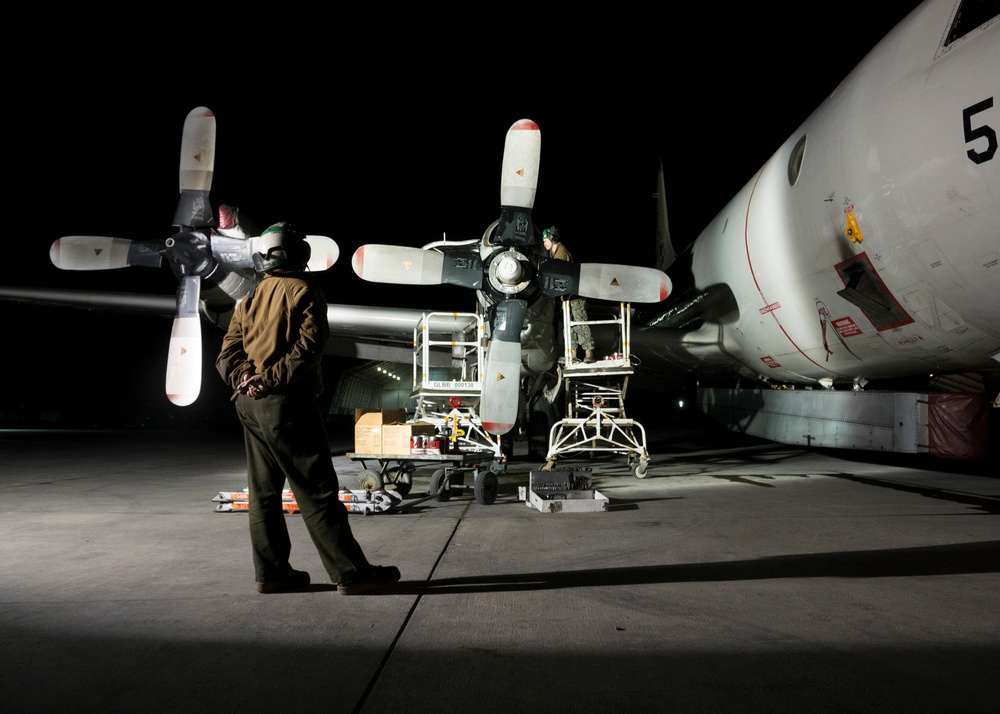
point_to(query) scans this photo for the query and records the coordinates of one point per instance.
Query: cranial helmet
(552, 233)
(281, 247)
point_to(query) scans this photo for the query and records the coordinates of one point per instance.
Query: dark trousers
(286, 440)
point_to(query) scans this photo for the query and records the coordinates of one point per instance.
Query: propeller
(190, 255)
(510, 269)
(209, 253)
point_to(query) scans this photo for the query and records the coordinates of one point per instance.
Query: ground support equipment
(562, 491)
(356, 501)
(595, 418)
(449, 399)
(448, 478)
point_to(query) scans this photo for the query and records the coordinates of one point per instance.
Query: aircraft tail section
(665, 253)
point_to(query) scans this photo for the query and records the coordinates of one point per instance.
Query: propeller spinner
(510, 270)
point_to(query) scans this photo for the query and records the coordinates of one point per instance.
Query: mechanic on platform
(581, 334)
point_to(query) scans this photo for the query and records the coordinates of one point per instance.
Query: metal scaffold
(595, 418)
(450, 400)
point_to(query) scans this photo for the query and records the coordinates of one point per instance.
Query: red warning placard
(846, 326)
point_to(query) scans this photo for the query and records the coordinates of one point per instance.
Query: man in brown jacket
(271, 357)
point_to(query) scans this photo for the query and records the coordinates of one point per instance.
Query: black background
(372, 136)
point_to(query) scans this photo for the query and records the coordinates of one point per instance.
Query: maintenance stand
(449, 404)
(595, 418)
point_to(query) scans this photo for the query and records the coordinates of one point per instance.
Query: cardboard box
(369, 425)
(396, 437)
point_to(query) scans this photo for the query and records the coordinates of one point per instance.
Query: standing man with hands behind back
(271, 356)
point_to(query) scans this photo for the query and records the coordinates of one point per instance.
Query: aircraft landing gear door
(595, 420)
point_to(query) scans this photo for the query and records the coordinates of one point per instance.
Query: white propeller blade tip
(183, 383)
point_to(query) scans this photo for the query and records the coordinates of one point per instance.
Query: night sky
(344, 142)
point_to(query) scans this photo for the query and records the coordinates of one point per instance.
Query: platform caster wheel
(400, 480)
(370, 480)
(639, 470)
(440, 485)
(485, 488)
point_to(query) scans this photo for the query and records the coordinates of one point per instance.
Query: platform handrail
(623, 319)
(469, 343)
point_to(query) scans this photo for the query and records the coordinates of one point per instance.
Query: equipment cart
(449, 477)
(449, 398)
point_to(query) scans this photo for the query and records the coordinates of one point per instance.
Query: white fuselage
(903, 155)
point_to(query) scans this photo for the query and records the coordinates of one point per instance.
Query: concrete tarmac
(738, 576)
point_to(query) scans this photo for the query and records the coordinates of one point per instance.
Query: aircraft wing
(386, 333)
(359, 331)
(125, 303)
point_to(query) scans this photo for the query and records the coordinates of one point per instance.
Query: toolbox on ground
(562, 490)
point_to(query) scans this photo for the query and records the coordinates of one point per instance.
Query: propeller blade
(403, 265)
(502, 379)
(324, 252)
(603, 281)
(398, 264)
(518, 182)
(519, 172)
(196, 168)
(183, 383)
(102, 253)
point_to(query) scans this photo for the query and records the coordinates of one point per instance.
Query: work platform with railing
(595, 420)
(449, 399)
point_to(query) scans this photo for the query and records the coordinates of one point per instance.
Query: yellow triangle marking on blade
(520, 172)
(183, 351)
(614, 281)
(500, 377)
(197, 157)
(407, 264)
